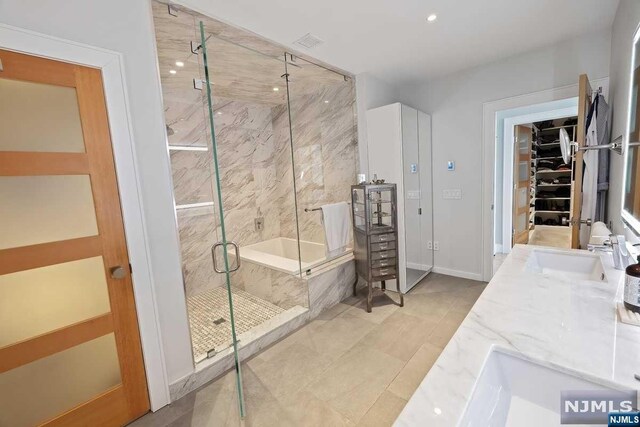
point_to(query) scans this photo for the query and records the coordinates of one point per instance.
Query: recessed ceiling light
(172, 71)
(179, 64)
(219, 113)
(326, 101)
(432, 17)
(275, 89)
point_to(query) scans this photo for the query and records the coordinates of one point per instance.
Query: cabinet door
(426, 188)
(411, 170)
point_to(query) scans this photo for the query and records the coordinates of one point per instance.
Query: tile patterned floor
(209, 318)
(345, 368)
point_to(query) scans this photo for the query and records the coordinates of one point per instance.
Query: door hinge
(419, 211)
(130, 268)
(195, 47)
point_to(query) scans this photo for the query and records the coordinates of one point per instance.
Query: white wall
(126, 27)
(624, 26)
(371, 92)
(455, 104)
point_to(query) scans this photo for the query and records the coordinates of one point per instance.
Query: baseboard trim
(416, 266)
(458, 273)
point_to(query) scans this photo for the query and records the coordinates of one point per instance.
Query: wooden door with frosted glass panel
(522, 184)
(69, 343)
(584, 104)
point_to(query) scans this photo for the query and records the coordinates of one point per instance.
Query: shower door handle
(213, 255)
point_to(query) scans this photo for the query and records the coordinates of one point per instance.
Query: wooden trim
(34, 69)
(21, 163)
(27, 351)
(584, 103)
(129, 400)
(44, 254)
(95, 129)
(108, 408)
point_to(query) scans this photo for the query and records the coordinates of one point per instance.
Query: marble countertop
(565, 324)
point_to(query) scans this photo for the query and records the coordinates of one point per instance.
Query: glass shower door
(223, 244)
(258, 253)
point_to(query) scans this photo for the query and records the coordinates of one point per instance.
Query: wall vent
(309, 41)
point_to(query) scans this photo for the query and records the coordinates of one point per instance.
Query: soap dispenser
(632, 287)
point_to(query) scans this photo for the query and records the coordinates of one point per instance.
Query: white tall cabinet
(399, 151)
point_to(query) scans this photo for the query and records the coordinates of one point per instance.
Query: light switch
(413, 168)
(452, 194)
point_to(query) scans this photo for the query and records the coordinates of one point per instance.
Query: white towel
(336, 218)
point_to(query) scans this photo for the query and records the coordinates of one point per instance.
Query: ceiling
(393, 40)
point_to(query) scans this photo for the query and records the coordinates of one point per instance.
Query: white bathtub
(281, 253)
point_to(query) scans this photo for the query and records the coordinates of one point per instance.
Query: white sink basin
(516, 392)
(585, 266)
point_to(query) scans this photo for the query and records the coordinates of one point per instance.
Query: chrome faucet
(617, 245)
(621, 256)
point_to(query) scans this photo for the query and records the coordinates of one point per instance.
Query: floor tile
(431, 306)
(335, 337)
(307, 410)
(383, 306)
(384, 412)
(414, 371)
(435, 282)
(466, 298)
(353, 383)
(400, 335)
(445, 329)
(346, 367)
(296, 367)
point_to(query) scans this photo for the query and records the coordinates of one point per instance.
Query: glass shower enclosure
(258, 138)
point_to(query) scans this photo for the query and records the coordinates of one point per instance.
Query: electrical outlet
(436, 245)
(429, 244)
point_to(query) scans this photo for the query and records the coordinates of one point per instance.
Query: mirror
(631, 184)
(565, 145)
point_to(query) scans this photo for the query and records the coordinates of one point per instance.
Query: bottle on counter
(632, 287)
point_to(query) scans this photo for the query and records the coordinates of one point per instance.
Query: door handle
(572, 221)
(213, 255)
(117, 272)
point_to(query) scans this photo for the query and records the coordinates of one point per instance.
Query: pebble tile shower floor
(210, 322)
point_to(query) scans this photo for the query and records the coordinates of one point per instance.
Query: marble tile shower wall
(325, 151)
(254, 156)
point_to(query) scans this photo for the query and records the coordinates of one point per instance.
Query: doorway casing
(505, 221)
(111, 65)
(489, 138)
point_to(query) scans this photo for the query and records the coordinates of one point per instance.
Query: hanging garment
(590, 174)
(603, 118)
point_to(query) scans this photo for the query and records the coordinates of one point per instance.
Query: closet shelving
(552, 178)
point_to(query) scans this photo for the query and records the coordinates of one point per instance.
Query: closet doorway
(542, 184)
(519, 132)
